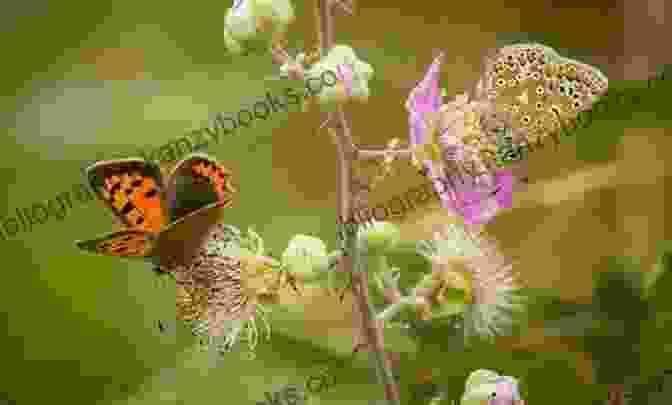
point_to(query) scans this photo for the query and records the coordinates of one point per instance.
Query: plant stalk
(352, 262)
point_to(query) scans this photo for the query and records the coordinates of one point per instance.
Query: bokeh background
(92, 80)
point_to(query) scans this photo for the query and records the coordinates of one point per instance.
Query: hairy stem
(394, 309)
(352, 263)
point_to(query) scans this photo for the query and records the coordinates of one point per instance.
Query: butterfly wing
(539, 89)
(197, 181)
(180, 242)
(133, 190)
(124, 243)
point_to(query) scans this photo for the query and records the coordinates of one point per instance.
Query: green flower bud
(379, 237)
(304, 256)
(451, 305)
(480, 376)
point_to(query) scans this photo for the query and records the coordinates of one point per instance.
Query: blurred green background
(93, 80)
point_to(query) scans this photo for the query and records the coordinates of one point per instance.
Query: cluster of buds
(251, 19)
(486, 386)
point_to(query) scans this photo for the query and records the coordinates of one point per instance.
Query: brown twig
(346, 154)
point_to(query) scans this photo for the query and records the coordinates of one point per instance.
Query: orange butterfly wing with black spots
(198, 175)
(164, 220)
(125, 243)
(132, 188)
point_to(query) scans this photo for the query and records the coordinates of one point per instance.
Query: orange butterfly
(165, 222)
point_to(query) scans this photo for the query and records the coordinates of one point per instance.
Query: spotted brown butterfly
(165, 221)
(539, 90)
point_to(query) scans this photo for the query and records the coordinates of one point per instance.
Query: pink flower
(476, 199)
(480, 204)
(346, 75)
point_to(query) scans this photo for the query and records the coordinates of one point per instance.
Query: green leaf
(658, 283)
(619, 291)
(580, 324)
(544, 305)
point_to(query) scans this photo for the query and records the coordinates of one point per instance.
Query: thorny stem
(351, 263)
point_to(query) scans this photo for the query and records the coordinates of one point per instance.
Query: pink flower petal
(507, 392)
(504, 180)
(477, 201)
(346, 74)
(423, 99)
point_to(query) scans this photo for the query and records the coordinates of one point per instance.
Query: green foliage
(628, 104)
(658, 283)
(84, 329)
(414, 265)
(620, 324)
